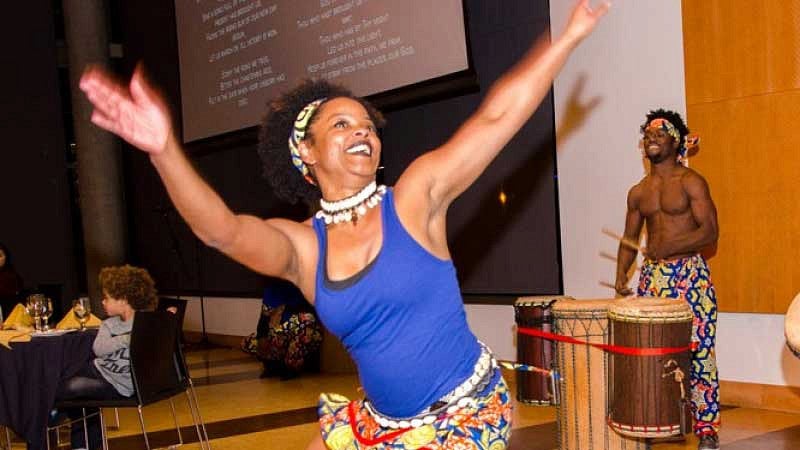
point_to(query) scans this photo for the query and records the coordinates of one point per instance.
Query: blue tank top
(401, 319)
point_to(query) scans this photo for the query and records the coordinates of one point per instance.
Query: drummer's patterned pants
(689, 278)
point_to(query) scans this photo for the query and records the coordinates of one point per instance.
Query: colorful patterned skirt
(288, 345)
(479, 422)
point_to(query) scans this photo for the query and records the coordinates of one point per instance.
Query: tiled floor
(244, 412)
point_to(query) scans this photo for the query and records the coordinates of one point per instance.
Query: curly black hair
(273, 149)
(673, 118)
(130, 283)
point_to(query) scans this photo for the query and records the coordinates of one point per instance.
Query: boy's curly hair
(129, 283)
(673, 118)
(286, 180)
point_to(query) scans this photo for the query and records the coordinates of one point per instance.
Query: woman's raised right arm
(139, 115)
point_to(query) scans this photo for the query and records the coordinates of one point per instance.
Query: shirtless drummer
(675, 203)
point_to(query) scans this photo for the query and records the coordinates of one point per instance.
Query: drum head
(538, 300)
(651, 309)
(567, 307)
(792, 326)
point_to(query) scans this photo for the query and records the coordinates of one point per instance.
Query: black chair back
(164, 303)
(179, 304)
(154, 344)
(158, 371)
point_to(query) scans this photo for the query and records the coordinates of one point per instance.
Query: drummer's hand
(621, 286)
(135, 112)
(584, 18)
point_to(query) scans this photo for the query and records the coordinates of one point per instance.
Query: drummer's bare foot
(708, 442)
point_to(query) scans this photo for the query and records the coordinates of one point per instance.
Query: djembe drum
(581, 417)
(535, 388)
(791, 326)
(649, 394)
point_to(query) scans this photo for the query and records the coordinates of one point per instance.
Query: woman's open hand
(136, 112)
(584, 18)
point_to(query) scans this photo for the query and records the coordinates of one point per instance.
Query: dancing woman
(374, 261)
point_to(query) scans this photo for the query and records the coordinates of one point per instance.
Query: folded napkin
(70, 321)
(9, 336)
(19, 319)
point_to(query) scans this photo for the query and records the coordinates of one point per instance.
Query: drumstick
(623, 240)
(608, 256)
(608, 285)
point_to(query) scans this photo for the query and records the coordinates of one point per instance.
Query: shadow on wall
(576, 112)
(520, 184)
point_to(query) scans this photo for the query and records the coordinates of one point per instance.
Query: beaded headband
(666, 126)
(298, 133)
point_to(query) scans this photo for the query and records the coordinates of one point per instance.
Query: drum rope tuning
(677, 373)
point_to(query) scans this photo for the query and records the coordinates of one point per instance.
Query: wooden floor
(243, 411)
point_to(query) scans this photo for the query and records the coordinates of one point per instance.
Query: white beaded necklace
(350, 208)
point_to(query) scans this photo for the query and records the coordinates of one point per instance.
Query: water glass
(82, 308)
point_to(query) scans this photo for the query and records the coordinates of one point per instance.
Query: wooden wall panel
(743, 98)
(739, 48)
(749, 156)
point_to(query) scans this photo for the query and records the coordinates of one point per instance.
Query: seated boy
(126, 289)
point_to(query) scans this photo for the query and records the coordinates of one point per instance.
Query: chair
(159, 372)
(165, 303)
(192, 397)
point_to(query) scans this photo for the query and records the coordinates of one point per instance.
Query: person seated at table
(126, 289)
(10, 283)
(288, 336)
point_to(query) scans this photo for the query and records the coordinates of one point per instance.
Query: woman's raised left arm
(447, 171)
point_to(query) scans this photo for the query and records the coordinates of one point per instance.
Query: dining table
(30, 374)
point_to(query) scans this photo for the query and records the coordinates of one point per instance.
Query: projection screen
(235, 55)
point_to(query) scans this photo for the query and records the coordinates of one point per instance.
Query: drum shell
(581, 417)
(646, 399)
(534, 388)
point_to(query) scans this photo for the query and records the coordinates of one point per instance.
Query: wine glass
(47, 311)
(35, 307)
(82, 308)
